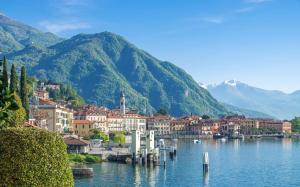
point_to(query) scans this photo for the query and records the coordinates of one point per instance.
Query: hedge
(33, 157)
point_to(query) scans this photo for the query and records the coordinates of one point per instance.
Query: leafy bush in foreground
(33, 157)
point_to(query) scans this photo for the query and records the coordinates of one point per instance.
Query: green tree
(30, 83)
(4, 75)
(7, 103)
(162, 111)
(96, 134)
(296, 124)
(16, 118)
(205, 116)
(23, 91)
(119, 137)
(67, 93)
(13, 79)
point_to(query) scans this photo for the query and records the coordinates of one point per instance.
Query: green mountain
(102, 65)
(15, 35)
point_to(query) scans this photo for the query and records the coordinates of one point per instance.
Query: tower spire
(122, 103)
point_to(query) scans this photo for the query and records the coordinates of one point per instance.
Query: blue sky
(254, 41)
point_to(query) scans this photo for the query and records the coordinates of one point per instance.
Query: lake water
(255, 163)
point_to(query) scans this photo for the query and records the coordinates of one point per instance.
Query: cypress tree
(23, 91)
(13, 79)
(4, 75)
(1, 61)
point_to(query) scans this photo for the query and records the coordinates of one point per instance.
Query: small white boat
(197, 141)
(223, 139)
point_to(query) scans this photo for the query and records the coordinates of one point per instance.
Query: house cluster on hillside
(56, 117)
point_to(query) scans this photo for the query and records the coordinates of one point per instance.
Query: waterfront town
(65, 119)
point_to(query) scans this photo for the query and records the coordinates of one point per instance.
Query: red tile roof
(75, 141)
(79, 122)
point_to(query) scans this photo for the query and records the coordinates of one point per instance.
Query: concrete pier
(83, 172)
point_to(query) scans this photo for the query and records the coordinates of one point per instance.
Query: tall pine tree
(7, 103)
(13, 79)
(4, 75)
(23, 91)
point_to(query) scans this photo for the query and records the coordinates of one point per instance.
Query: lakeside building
(160, 124)
(130, 121)
(123, 119)
(134, 121)
(82, 128)
(115, 122)
(205, 127)
(98, 116)
(280, 126)
(49, 115)
(76, 145)
(105, 120)
(58, 118)
(250, 126)
(184, 125)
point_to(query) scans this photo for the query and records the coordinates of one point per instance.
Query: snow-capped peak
(232, 83)
(202, 85)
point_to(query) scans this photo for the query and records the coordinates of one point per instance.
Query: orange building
(280, 126)
(82, 128)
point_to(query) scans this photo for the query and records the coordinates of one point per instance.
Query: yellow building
(82, 128)
(94, 114)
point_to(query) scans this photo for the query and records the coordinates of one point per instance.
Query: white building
(58, 118)
(161, 125)
(123, 119)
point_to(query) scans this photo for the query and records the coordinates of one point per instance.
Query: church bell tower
(122, 103)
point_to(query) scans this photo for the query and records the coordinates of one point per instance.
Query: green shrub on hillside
(33, 157)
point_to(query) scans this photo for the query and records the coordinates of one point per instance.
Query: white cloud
(244, 10)
(257, 1)
(63, 26)
(216, 20)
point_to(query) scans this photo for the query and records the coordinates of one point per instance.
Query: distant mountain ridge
(102, 65)
(272, 102)
(15, 35)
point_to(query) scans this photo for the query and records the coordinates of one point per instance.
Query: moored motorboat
(218, 136)
(240, 136)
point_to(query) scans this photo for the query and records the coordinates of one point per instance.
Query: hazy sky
(254, 41)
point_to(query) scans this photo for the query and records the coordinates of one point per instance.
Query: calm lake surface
(274, 162)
